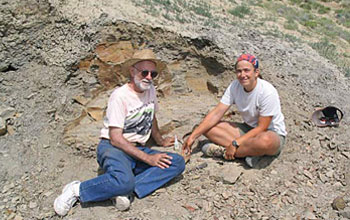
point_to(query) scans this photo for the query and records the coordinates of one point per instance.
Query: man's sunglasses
(145, 73)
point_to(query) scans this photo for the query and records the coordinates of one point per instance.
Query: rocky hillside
(60, 61)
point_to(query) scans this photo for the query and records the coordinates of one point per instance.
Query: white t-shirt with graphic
(263, 100)
(131, 111)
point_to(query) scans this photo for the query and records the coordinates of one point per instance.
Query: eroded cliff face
(57, 71)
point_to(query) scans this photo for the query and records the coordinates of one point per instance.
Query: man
(263, 131)
(129, 166)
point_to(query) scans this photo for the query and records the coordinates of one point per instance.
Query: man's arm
(117, 139)
(157, 136)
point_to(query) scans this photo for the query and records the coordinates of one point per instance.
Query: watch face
(234, 143)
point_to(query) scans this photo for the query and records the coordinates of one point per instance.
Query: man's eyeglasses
(145, 73)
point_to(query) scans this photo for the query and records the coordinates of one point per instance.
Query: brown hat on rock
(142, 55)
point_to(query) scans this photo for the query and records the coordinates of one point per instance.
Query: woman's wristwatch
(235, 144)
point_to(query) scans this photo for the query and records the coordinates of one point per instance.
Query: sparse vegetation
(311, 19)
(291, 25)
(343, 17)
(240, 11)
(329, 51)
(325, 49)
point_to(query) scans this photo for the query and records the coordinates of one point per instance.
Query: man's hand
(161, 160)
(167, 142)
(187, 146)
(230, 152)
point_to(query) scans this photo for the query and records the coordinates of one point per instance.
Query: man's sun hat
(329, 116)
(142, 55)
(250, 58)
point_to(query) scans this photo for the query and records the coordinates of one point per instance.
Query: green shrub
(310, 24)
(346, 71)
(325, 49)
(323, 10)
(290, 25)
(202, 9)
(343, 17)
(240, 11)
(165, 3)
(329, 51)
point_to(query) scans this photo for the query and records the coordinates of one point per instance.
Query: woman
(263, 131)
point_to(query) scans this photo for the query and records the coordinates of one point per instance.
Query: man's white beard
(143, 84)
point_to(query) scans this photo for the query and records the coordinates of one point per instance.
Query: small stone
(15, 199)
(47, 194)
(332, 145)
(346, 154)
(225, 195)
(191, 207)
(308, 174)
(32, 205)
(12, 216)
(45, 146)
(338, 185)
(7, 187)
(345, 214)
(308, 183)
(207, 206)
(330, 173)
(3, 127)
(309, 215)
(18, 217)
(323, 178)
(338, 203)
(196, 177)
(161, 190)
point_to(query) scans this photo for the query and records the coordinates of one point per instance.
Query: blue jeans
(124, 174)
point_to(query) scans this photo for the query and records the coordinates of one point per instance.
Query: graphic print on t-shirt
(139, 121)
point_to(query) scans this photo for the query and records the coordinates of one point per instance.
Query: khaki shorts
(244, 128)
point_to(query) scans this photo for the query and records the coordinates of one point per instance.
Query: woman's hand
(187, 146)
(230, 152)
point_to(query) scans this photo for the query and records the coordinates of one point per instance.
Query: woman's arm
(213, 117)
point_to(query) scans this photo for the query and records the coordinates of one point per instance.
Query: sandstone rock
(114, 52)
(81, 99)
(96, 113)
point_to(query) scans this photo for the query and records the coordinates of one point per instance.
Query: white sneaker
(122, 203)
(67, 199)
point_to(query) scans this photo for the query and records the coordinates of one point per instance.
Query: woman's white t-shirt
(263, 100)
